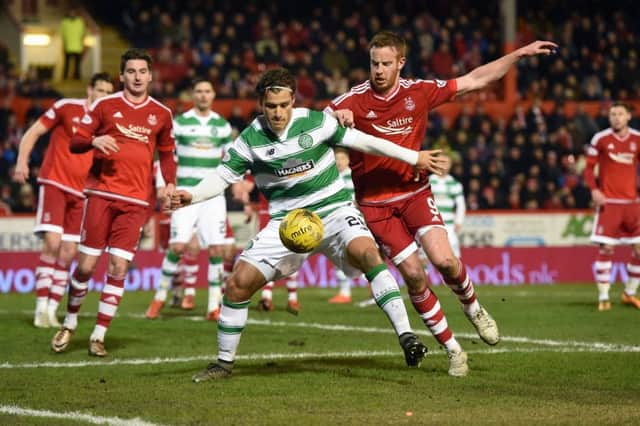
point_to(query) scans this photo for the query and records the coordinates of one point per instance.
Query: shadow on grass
(348, 368)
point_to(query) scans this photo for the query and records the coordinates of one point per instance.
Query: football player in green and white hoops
(289, 152)
(449, 196)
(202, 136)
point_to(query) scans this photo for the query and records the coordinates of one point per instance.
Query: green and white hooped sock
(215, 282)
(232, 320)
(387, 295)
(169, 269)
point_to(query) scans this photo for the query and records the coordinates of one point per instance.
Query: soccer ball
(301, 231)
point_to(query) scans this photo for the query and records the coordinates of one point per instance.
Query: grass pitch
(560, 362)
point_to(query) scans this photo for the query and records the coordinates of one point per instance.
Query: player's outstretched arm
(493, 71)
(210, 186)
(433, 160)
(28, 141)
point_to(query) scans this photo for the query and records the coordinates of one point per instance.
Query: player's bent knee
(413, 275)
(446, 265)
(606, 250)
(363, 254)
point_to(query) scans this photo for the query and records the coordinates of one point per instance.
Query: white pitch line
(295, 356)
(612, 347)
(73, 415)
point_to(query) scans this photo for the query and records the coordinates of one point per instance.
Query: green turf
(548, 369)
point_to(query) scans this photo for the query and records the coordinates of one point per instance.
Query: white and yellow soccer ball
(301, 231)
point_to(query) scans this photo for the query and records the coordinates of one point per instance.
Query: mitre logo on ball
(301, 231)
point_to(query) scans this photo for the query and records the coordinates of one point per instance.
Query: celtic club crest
(305, 141)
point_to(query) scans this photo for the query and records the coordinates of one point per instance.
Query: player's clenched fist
(180, 198)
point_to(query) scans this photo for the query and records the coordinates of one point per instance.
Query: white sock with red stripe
(463, 288)
(427, 305)
(44, 278)
(267, 291)
(633, 270)
(292, 287)
(603, 274)
(58, 286)
(108, 306)
(190, 267)
(78, 287)
(344, 283)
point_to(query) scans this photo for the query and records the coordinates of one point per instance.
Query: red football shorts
(112, 224)
(164, 230)
(616, 223)
(60, 212)
(229, 238)
(263, 219)
(398, 224)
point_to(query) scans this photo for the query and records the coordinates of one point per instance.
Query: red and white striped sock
(44, 277)
(58, 285)
(427, 305)
(78, 287)
(292, 288)
(190, 266)
(633, 270)
(603, 274)
(463, 288)
(267, 291)
(109, 301)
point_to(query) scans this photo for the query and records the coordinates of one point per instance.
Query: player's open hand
(180, 198)
(538, 47)
(344, 117)
(105, 144)
(21, 173)
(433, 161)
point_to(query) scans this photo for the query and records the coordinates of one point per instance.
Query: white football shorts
(267, 253)
(207, 219)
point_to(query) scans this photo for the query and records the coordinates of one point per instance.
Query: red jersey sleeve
(439, 91)
(166, 141)
(52, 116)
(341, 102)
(591, 154)
(90, 122)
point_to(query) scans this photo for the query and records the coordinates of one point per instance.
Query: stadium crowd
(532, 160)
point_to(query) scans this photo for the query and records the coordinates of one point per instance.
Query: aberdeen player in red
(616, 152)
(60, 201)
(397, 203)
(126, 129)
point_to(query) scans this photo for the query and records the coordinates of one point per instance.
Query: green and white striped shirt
(449, 197)
(296, 169)
(200, 145)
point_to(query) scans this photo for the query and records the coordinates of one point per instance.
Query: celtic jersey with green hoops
(200, 145)
(296, 169)
(448, 193)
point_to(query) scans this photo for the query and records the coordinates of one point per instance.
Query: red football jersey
(400, 117)
(617, 160)
(60, 167)
(139, 129)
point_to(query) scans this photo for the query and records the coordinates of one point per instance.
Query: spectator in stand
(25, 200)
(72, 32)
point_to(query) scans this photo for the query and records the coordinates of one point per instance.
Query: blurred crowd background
(528, 159)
